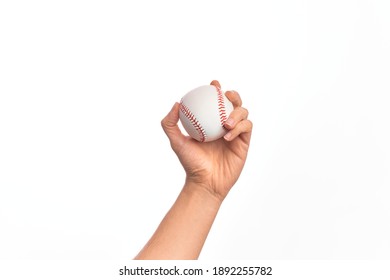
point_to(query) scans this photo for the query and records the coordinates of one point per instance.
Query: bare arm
(184, 229)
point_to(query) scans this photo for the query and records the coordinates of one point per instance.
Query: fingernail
(228, 135)
(229, 122)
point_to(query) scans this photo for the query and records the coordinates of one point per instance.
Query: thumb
(170, 127)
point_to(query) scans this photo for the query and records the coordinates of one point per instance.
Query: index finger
(215, 83)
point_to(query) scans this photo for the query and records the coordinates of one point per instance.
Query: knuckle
(244, 111)
(249, 124)
(163, 122)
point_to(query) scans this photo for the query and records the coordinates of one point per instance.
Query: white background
(86, 171)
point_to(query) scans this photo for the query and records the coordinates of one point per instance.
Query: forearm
(184, 229)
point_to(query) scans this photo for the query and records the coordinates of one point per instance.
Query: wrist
(204, 192)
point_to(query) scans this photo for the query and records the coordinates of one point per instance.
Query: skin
(212, 168)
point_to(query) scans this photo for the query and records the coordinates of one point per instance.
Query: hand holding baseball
(214, 166)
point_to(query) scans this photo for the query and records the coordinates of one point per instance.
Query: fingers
(215, 83)
(170, 127)
(234, 97)
(236, 116)
(237, 123)
(243, 128)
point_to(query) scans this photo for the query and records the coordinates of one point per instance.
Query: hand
(214, 166)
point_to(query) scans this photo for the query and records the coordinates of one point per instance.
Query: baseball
(203, 113)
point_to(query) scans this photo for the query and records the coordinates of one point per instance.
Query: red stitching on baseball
(221, 107)
(186, 111)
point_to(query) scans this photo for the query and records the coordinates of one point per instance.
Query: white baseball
(203, 113)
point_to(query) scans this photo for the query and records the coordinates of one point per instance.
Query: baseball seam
(221, 107)
(190, 116)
